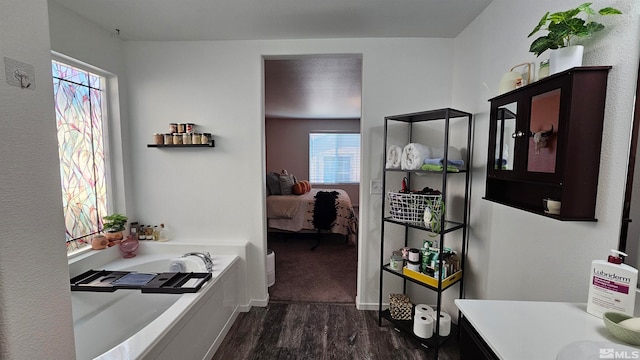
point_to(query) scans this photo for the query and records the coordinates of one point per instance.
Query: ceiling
(305, 87)
(318, 87)
(165, 20)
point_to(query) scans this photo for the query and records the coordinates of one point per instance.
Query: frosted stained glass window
(78, 99)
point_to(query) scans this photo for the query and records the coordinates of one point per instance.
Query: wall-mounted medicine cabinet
(544, 143)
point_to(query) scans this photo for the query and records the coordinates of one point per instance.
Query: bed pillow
(286, 184)
(273, 183)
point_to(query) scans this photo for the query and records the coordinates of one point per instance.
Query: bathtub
(129, 324)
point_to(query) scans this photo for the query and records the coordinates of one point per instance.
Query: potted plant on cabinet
(563, 28)
(113, 227)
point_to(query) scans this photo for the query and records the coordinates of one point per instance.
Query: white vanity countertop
(528, 330)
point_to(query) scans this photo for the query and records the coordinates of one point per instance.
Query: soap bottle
(612, 286)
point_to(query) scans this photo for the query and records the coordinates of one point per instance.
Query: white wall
(515, 254)
(218, 194)
(82, 40)
(35, 303)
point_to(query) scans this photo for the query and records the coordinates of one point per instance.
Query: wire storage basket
(410, 207)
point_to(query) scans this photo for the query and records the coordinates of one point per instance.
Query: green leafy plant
(114, 222)
(565, 26)
(437, 210)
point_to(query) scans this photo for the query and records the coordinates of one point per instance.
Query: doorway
(306, 95)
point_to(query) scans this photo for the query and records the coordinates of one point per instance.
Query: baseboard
(369, 306)
(257, 302)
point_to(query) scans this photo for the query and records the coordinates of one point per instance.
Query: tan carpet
(327, 274)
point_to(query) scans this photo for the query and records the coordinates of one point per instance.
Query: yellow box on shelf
(431, 281)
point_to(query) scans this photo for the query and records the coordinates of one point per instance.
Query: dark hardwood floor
(286, 330)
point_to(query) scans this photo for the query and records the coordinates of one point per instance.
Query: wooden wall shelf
(209, 145)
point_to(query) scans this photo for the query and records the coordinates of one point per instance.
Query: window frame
(106, 110)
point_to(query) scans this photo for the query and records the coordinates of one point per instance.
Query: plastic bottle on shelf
(163, 234)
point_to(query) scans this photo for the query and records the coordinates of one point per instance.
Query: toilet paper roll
(422, 309)
(423, 326)
(445, 324)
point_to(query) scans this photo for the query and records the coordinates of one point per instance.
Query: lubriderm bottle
(612, 286)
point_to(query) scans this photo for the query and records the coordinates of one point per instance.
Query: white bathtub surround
(128, 324)
(96, 260)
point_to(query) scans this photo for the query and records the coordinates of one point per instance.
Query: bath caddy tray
(167, 283)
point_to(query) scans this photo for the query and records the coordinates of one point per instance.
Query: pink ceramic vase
(129, 246)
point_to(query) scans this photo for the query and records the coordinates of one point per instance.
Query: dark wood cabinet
(472, 346)
(544, 143)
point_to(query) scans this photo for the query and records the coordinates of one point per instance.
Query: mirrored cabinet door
(543, 131)
(505, 137)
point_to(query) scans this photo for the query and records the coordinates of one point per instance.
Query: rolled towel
(413, 156)
(438, 152)
(178, 265)
(187, 264)
(393, 157)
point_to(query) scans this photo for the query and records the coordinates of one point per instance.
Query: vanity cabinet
(472, 347)
(544, 143)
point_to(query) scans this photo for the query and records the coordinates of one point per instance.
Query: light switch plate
(376, 187)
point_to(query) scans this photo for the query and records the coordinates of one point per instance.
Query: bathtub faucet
(205, 256)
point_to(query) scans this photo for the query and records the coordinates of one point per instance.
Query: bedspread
(295, 213)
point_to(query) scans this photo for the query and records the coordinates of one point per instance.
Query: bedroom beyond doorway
(306, 95)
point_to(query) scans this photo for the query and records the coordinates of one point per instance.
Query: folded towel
(440, 161)
(413, 156)
(393, 157)
(438, 167)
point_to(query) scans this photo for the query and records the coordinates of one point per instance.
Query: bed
(303, 213)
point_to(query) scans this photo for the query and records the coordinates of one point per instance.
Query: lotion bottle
(612, 286)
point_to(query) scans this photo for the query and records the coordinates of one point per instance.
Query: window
(79, 100)
(334, 158)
